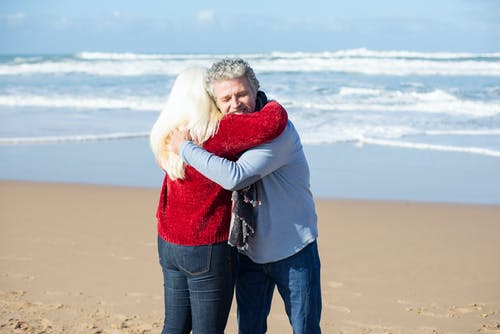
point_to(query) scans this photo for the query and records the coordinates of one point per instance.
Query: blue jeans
(298, 280)
(198, 286)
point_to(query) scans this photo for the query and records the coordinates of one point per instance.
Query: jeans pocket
(194, 260)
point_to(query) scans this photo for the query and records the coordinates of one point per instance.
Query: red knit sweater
(197, 211)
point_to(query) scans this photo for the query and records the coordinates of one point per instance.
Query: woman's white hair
(188, 107)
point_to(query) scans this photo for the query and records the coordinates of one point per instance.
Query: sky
(164, 26)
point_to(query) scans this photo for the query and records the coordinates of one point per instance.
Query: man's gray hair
(230, 68)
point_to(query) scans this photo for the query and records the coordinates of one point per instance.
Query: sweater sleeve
(239, 132)
(251, 166)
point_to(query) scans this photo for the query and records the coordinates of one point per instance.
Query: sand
(82, 259)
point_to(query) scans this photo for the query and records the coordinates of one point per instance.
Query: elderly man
(281, 250)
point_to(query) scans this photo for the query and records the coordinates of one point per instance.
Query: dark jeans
(298, 280)
(198, 286)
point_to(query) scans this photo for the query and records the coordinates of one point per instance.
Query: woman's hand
(178, 137)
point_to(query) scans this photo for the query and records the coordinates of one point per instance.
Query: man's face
(234, 96)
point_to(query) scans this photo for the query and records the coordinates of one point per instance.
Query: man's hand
(178, 137)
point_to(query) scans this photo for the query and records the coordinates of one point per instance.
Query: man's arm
(251, 166)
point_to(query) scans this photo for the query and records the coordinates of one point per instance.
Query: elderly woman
(193, 212)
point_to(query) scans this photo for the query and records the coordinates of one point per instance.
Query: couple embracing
(235, 208)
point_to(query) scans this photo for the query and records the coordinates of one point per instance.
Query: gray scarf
(244, 200)
(242, 218)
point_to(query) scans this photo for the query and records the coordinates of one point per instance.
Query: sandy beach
(82, 259)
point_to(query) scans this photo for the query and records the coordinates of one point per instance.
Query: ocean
(364, 116)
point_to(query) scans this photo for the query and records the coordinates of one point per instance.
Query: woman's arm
(239, 132)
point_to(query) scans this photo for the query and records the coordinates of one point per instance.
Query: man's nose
(235, 101)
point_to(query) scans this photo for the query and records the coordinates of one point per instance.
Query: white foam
(483, 132)
(330, 133)
(431, 147)
(380, 66)
(361, 61)
(365, 53)
(118, 56)
(389, 137)
(81, 102)
(381, 132)
(347, 99)
(102, 68)
(367, 99)
(348, 91)
(71, 139)
(145, 56)
(358, 53)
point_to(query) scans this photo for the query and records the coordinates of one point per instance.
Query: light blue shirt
(286, 220)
